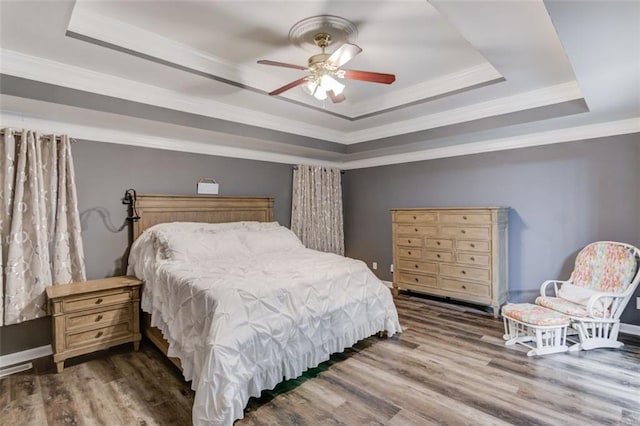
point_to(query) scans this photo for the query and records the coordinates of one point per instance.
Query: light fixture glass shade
(315, 90)
(329, 83)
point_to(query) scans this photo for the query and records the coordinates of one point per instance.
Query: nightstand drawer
(98, 319)
(96, 301)
(99, 335)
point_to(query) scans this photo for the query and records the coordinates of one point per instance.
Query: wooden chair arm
(609, 305)
(543, 287)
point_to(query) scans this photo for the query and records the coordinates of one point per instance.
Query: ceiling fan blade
(336, 99)
(374, 77)
(282, 64)
(344, 54)
(286, 87)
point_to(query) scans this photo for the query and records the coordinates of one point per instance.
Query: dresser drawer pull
(472, 245)
(98, 318)
(438, 242)
(415, 229)
(464, 287)
(415, 217)
(99, 301)
(417, 266)
(464, 272)
(417, 280)
(408, 241)
(99, 334)
(463, 231)
(464, 217)
(473, 259)
(409, 253)
(438, 256)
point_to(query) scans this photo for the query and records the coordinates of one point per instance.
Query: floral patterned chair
(604, 278)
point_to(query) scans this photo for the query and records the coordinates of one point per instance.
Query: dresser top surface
(448, 208)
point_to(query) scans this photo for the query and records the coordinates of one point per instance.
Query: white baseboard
(25, 356)
(630, 329)
(388, 283)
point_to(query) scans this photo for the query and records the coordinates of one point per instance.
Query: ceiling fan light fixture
(329, 83)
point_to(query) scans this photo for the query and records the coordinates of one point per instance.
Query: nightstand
(93, 315)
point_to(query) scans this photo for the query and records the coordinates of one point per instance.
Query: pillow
(579, 295)
(278, 239)
(202, 246)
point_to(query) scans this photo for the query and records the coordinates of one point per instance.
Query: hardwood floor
(449, 366)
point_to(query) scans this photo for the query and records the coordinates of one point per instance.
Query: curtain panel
(316, 208)
(39, 222)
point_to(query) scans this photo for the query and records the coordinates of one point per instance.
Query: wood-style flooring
(449, 366)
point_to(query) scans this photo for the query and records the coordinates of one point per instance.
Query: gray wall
(104, 171)
(562, 197)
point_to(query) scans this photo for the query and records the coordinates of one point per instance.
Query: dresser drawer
(412, 253)
(462, 271)
(97, 319)
(465, 232)
(418, 280)
(418, 230)
(416, 217)
(440, 256)
(475, 246)
(99, 335)
(465, 218)
(438, 244)
(96, 300)
(473, 259)
(418, 266)
(409, 241)
(464, 287)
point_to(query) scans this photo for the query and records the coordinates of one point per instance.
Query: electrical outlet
(638, 302)
(374, 265)
(391, 268)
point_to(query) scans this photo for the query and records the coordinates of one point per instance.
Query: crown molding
(559, 93)
(576, 133)
(570, 134)
(18, 121)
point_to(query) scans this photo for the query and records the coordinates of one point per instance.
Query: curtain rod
(19, 133)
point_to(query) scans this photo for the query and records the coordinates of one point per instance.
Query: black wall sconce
(130, 199)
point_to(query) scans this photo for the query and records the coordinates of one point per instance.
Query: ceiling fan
(324, 68)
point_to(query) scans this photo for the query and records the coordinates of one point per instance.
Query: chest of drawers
(93, 315)
(459, 253)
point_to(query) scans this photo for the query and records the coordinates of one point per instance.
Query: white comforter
(240, 324)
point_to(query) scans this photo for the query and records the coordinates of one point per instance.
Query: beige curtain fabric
(39, 223)
(316, 208)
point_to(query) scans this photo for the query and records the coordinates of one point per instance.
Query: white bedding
(268, 309)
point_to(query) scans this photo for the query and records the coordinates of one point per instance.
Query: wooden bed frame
(155, 209)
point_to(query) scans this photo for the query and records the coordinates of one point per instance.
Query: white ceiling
(468, 71)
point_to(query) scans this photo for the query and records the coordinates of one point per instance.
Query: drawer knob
(417, 266)
(473, 259)
(409, 241)
(464, 217)
(472, 245)
(417, 280)
(438, 256)
(415, 217)
(409, 252)
(463, 231)
(98, 301)
(464, 287)
(99, 334)
(415, 229)
(98, 318)
(464, 272)
(438, 242)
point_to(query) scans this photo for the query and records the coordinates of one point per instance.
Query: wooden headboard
(154, 209)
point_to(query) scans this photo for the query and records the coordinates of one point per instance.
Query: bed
(239, 304)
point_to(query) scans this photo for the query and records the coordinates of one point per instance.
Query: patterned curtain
(39, 222)
(316, 208)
